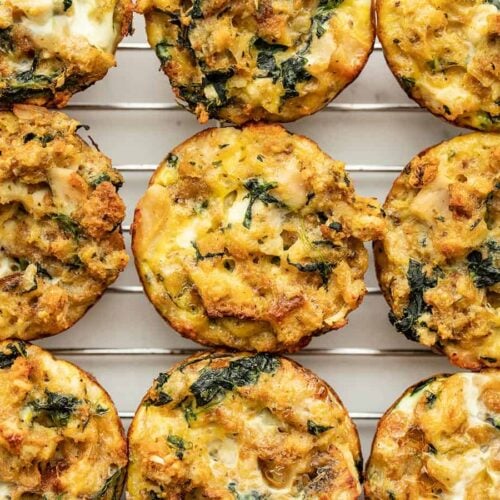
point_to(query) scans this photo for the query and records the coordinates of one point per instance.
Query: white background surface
(364, 383)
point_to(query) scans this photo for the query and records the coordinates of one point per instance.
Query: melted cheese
(85, 18)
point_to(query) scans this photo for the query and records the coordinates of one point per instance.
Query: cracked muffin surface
(439, 263)
(194, 433)
(441, 439)
(253, 239)
(50, 49)
(60, 435)
(446, 56)
(267, 60)
(60, 215)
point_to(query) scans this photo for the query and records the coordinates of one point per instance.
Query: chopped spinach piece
(493, 421)
(41, 271)
(430, 399)
(99, 179)
(317, 429)
(336, 226)
(162, 50)
(259, 190)
(179, 444)
(488, 359)
(110, 483)
(252, 495)
(56, 409)
(293, 72)
(15, 350)
(67, 4)
(421, 385)
(438, 65)
(187, 409)
(68, 225)
(43, 139)
(266, 60)
(484, 271)
(431, 449)
(215, 382)
(172, 160)
(418, 282)
(196, 12)
(323, 14)
(163, 397)
(101, 410)
(407, 83)
(487, 119)
(391, 495)
(324, 269)
(209, 255)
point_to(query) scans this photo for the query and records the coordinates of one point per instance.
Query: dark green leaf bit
(324, 269)
(68, 225)
(162, 397)
(209, 255)
(14, 350)
(110, 483)
(179, 444)
(495, 422)
(316, 429)
(484, 271)
(323, 15)
(419, 282)
(67, 4)
(259, 190)
(56, 409)
(252, 495)
(215, 382)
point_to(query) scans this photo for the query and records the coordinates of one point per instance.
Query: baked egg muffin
(446, 56)
(439, 262)
(60, 216)
(247, 426)
(60, 435)
(50, 49)
(441, 439)
(273, 60)
(253, 239)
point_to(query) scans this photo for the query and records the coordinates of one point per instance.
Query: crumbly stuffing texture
(439, 264)
(253, 238)
(60, 216)
(446, 56)
(441, 439)
(51, 49)
(60, 435)
(257, 426)
(270, 60)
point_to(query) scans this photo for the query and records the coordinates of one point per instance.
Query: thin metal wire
(368, 169)
(161, 351)
(355, 415)
(132, 289)
(169, 106)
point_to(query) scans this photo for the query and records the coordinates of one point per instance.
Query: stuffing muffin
(60, 216)
(253, 239)
(224, 426)
(60, 435)
(267, 60)
(446, 56)
(50, 49)
(441, 439)
(439, 263)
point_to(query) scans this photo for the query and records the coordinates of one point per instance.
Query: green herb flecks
(213, 383)
(484, 270)
(336, 226)
(162, 50)
(407, 83)
(252, 495)
(56, 409)
(266, 60)
(43, 139)
(100, 410)
(6, 44)
(259, 190)
(430, 399)
(179, 444)
(13, 351)
(438, 65)
(162, 397)
(68, 225)
(494, 421)
(209, 255)
(316, 429)
(111, 483)
(323, 14)
(418, 282)
(172, 160)
(293, 72)
(422, 385)
(324, 269)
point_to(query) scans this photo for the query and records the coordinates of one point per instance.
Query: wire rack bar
(355, 415)
(368, 169)
(170, 106)
(160, 351)
(133, 289)
(146, 46)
